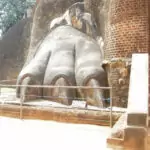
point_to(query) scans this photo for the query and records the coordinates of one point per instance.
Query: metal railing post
(21, 103)
(111, 105)
(22, 98)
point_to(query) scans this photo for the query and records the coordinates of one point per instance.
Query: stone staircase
(131, 132)
(148, 140)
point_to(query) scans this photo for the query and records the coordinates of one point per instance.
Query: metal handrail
(70, 87)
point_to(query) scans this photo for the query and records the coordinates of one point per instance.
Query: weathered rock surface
(14, 48)
(45, 12)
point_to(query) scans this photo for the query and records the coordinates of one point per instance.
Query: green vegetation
(11, 11)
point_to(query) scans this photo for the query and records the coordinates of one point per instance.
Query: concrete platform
(18, 134)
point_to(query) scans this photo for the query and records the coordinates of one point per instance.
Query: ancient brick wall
(149, 86)
(149, 92)
(126, 32)
(149, 58)
(127, 28)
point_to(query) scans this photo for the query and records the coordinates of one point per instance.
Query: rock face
(99, 9)
(44, 13)
(13, 49)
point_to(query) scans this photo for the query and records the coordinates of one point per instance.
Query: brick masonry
(149, 58)
(149, 87)
(127, 28)
(126, 32)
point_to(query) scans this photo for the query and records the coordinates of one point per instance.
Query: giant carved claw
(66, 57)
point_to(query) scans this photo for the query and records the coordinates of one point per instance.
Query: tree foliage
(11, 11)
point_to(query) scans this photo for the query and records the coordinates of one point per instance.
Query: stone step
(115, 141)
(148, 139)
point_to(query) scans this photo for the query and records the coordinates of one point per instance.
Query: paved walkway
(18, 134)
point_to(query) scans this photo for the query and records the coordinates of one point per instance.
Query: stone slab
(115, 141)
(135, 137)
(138, 91)
(18, 134)
(138, 119)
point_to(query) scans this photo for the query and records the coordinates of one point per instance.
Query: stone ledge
(138, 91)
(67, 115)
(135, 131)
(117, 134)
(115, 142)
(135, 137)
(118, 129)
(137, 119)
